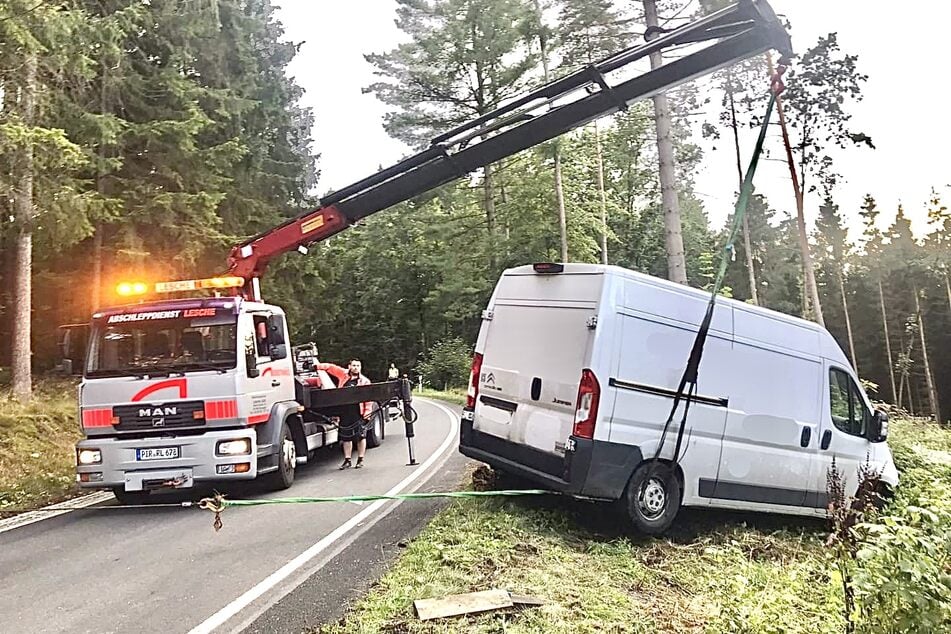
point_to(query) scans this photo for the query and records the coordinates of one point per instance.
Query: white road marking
(53, 510)
(224, 614)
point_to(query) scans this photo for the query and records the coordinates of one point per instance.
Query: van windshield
(161, 342)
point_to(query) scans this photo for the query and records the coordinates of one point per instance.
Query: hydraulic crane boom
(735, 33)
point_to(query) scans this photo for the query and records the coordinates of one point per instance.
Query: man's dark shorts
(354, 430)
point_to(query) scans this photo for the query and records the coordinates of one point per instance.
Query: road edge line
(53, 510)
(223, 615)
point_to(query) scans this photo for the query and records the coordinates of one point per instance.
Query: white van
(574, 375)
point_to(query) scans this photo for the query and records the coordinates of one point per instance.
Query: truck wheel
(375, 431)
(129, 498)
(283, 478)
(653, 498)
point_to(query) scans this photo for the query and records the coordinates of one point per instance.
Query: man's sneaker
(359, 463)
(346, 464)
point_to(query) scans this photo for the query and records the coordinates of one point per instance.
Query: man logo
(147, 412)
(158, 422)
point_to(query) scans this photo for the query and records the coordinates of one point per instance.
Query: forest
(141, 140)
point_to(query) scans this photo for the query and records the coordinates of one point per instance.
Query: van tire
(652, 498)
(375, 429)
(283, 478)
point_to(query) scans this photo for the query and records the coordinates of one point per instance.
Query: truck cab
(184, 391)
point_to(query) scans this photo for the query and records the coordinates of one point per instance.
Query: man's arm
(335, 371)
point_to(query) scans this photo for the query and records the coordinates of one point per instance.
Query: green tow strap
(219, 503)
(745, 192)
(371, 498)
(688, 382)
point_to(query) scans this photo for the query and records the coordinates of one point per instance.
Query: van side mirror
(878, 427)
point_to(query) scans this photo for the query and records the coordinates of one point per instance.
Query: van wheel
(653, 498)
(283, 478)
(375, 430)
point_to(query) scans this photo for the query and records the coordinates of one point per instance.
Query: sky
(899, 48)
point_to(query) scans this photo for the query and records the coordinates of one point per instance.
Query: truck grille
(158, 417)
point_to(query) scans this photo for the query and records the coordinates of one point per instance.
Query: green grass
(37, 446)
(452, 395)
(715, 572)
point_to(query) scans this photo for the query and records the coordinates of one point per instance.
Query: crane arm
(732, 34)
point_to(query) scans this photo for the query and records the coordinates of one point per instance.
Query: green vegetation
(456, 397)
(36, 446)
(716, 572)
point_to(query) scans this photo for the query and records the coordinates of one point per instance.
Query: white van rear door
(532, 361)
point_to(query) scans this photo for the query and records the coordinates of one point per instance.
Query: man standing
(393, 373)
(356, 430)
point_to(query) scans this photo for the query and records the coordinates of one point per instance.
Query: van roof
(602, 269)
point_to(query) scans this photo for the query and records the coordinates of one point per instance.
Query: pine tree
(464, 58)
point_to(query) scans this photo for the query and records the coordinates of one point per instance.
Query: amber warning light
(126, 289)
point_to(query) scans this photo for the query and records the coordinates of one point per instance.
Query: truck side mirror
(878, 427)
(278, 351)
(252, 363)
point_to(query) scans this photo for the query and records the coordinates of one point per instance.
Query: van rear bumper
(595, 468)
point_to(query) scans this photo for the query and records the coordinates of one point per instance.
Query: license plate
(157, 453)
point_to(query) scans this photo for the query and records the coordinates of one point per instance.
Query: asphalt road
(270, 568)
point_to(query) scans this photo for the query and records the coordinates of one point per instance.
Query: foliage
(446, 364)
(37, 441)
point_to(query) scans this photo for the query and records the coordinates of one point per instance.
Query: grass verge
(716, 572)
(454, 396)
(37, 446)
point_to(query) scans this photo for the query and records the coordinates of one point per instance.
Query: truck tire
(283, 478)
(653, 498)
(130, 498)
(375, 431)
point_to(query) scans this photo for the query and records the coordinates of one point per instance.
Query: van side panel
(658, 329)
(772, 433)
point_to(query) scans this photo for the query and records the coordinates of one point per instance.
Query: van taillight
(586, 413)
(473, 393)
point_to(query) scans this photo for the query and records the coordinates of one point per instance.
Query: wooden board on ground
(458, 604)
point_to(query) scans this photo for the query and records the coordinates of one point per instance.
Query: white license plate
(157, 453)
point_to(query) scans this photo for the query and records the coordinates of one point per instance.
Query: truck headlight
(88, 456)
(240, 447)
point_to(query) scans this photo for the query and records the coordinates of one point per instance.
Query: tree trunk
(95, 295)
(23, 270)
(489, 203)
(604, 198)
(751, 272)
(811, 287)
(888, 344)
(848, 320)
(929, 379)
(559, 186)
(673, 231)
(560, 201)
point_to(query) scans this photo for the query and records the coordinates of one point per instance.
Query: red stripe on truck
(97, 417)
(219, 410)
(258, 418)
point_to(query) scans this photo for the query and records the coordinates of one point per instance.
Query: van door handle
(275, 383)
(826, 439)
(805, 437)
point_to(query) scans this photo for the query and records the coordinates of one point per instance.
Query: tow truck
(204, 388)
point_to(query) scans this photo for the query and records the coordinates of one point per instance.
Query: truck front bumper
(198, 461)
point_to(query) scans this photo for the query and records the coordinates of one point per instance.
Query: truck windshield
(139, 343)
